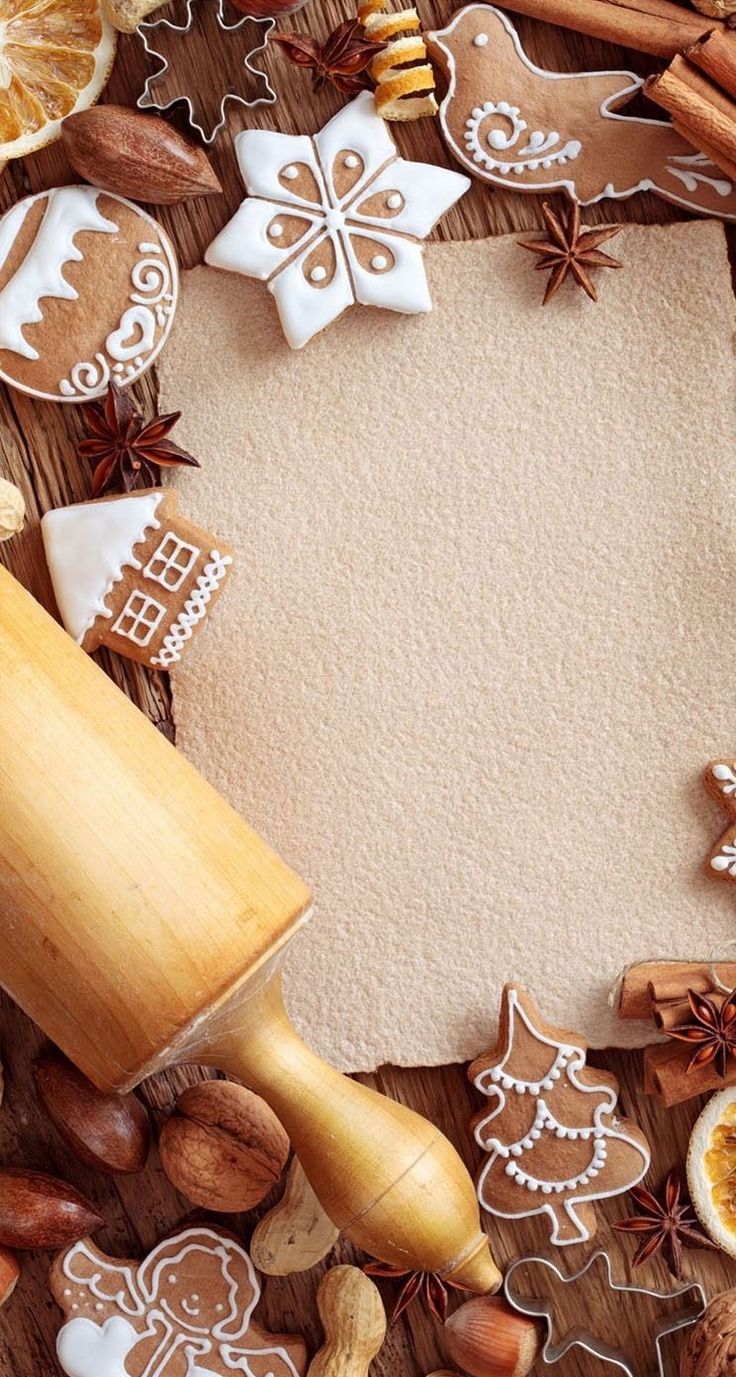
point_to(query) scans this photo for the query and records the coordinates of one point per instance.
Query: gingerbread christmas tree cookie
(185, 1311)
(554, 1143)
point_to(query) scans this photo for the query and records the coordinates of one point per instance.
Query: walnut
(223, 1148)
(711, 1348)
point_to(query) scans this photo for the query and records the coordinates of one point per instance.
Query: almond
(38, 1211)
(136, 155)
(108, 1132)
(9, 1273)
(223, 1148)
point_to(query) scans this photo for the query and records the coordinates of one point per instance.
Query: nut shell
(711, 1347)
(12, 509)
(39, 1211)
(487, 1338)
(223, 1148)
(135, 155)
(9, 1274)
(108, 1132)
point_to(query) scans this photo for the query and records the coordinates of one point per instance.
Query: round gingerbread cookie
(88, 291)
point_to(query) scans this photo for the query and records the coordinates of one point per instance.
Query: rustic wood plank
(37, 450)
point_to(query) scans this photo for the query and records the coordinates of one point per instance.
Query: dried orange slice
(55, 58)
(711, 1169)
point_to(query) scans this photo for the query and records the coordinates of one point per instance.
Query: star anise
(430, 1287)
(712, 1032)
(668, 1223)
(125, 449)
(570, 250)
(343, 59)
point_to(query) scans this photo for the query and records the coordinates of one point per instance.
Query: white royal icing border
(635, 84)
(81, 1343)
(569, 1060)
(89, 378)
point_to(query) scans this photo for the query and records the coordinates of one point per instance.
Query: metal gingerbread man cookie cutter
(146, 32)
(542, 1309)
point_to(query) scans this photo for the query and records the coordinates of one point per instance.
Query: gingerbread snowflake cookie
(133, 574)
(185, 1311)
(88, 291)
(555, 1144)
(334, 219)
(511, 123)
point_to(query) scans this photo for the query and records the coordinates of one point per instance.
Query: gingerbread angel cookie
(555, 1144)
(185, 1311)
(514, 124)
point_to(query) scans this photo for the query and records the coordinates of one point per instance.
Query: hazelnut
(108, 1132)
(223, 1148)
(12, 509)
(489, 1339)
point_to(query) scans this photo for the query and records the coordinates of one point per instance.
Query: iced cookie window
(139, 618)
(172, 561)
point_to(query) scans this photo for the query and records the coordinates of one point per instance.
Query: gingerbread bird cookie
(511, 123)
(185, 1311)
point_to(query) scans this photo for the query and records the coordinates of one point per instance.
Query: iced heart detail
(134, 336)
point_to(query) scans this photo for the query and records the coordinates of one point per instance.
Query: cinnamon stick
(649, 26)
(702, 110)
(665, 1074)
(654, 982)
(715, 156)
(716, 56)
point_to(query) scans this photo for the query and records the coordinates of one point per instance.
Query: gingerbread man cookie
(185, 1311)
(334, 219)
(514, 124)
(555, 1144)
(720, 782)
(88, 290)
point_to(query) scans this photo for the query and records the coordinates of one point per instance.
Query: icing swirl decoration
(334, 219)
(484, 133)
(88, 291)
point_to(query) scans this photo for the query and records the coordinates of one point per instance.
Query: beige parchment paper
(481, 638)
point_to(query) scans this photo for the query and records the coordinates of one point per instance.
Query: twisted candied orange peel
(404, 77)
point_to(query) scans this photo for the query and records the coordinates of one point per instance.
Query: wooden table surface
(37, 451)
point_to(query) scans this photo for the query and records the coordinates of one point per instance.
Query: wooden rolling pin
(141, 924)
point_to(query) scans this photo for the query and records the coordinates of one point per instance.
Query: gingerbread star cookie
(185, 1311)
(511, 123)
(88, 291)
(555, 1145)
(720, 782)
(334, 219)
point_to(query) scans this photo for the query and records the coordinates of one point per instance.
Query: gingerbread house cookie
(185, 1311)
(131, 573)
(88, 290)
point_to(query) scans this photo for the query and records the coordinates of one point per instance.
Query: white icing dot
(99, 1305)
(195, 1297)
(275, 230)
(480, 40)
(379, 262)
(75, 1306)
(318, 274)
(67, 1291)
(395, 201)
(352, 161)
(172, 1280)
(219, 1308)
(290, 173)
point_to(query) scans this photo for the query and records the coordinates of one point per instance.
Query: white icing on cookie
(88, 547)
(602, 152)
(145, 319)
(70, 210)
(183, 1324)
(566, 1065)
(358, 139)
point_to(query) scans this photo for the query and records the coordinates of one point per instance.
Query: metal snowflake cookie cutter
(539, 1308)
(146, 100)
